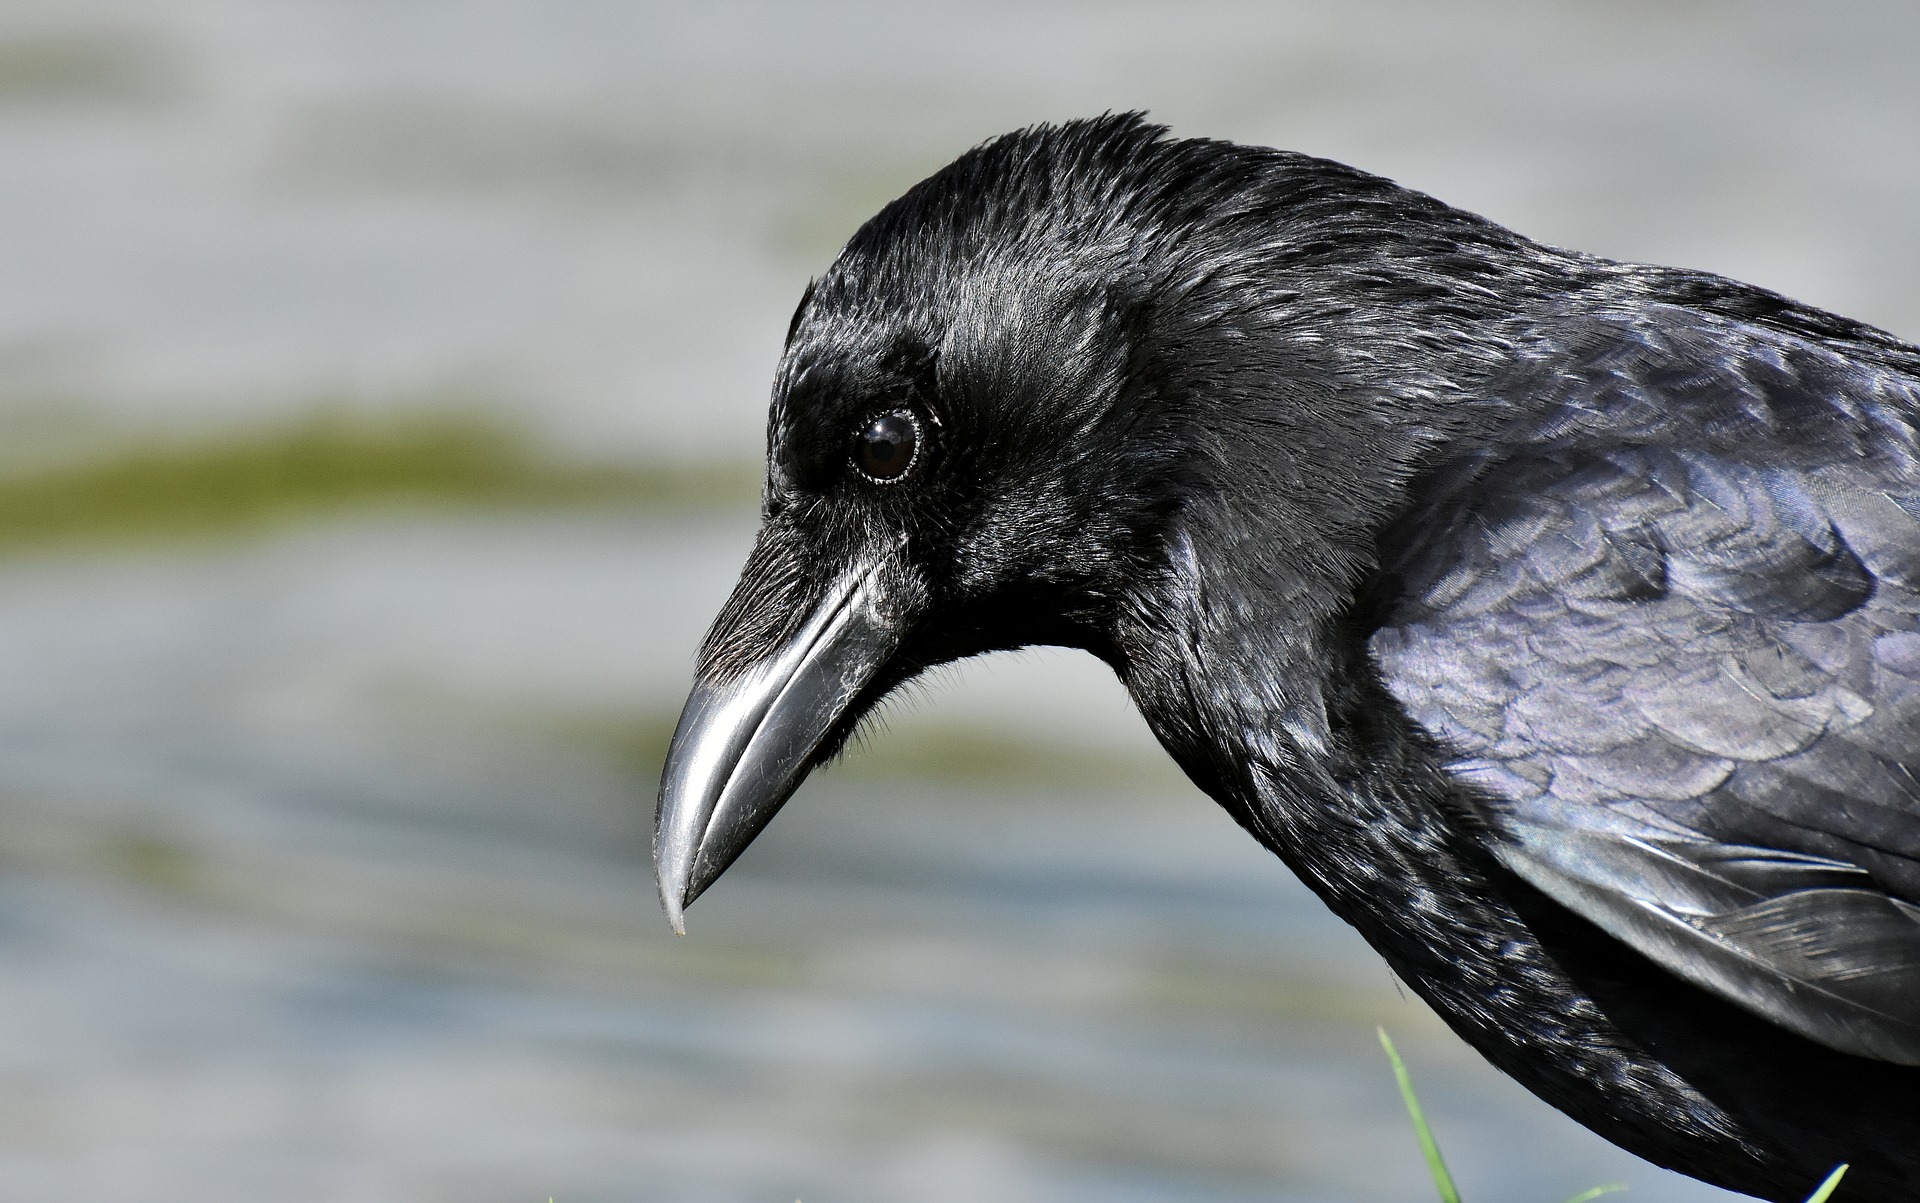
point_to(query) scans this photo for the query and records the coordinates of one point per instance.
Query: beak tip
(674, 901)
(676, 913)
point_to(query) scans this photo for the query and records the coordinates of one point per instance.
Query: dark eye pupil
(885, 448)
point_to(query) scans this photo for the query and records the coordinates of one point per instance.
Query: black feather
(1556, 619)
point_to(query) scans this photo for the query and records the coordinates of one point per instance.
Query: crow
(1555, 619)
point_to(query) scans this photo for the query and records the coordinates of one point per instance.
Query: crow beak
(744, 744)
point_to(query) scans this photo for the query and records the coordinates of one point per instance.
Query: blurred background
(381, 384)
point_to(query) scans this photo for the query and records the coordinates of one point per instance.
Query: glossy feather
(1556, 620)
(1669, 630)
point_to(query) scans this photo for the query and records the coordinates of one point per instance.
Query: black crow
(1557, 620)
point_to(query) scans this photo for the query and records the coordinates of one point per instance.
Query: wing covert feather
(1671, 632)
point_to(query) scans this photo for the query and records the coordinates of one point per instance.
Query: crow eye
(887, 446)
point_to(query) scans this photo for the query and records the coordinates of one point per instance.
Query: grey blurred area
(325, 792)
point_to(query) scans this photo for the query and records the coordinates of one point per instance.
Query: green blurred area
(231, 482)
(84, 66)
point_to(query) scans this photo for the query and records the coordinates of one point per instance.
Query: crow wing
(1670, 627)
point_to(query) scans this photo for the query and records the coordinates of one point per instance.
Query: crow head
(1034, 396)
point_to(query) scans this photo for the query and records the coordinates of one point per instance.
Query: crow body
(1557, 620)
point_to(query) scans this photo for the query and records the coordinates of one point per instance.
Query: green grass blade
(1587, 1196)
(1827, 1188)
(1436, 1165)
